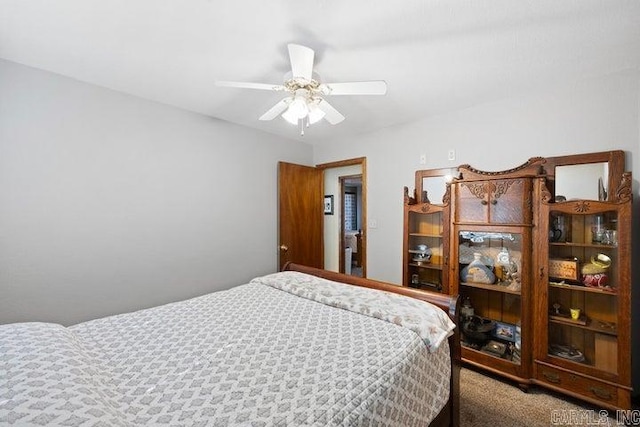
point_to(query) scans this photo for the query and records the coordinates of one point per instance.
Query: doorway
(345, 182)
(351, 220)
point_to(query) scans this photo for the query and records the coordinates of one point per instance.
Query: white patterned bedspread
(253, 355)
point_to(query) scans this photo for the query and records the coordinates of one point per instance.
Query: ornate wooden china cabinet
(583, 296)
(491, 245)
(426, 231)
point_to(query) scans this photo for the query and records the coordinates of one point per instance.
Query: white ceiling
(436, 55)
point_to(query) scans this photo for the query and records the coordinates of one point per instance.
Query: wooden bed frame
(450, 414)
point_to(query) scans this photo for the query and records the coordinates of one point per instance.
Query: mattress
(282, 350)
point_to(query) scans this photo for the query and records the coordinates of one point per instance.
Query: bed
(298, 347)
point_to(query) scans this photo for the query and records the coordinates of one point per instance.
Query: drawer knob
(483, 202)
(601, 393)
(551, 377)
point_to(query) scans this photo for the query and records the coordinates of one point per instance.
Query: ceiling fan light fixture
(315, 113)
(290, 117)
(299, 107)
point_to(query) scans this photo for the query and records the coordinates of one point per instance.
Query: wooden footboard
(450, 414)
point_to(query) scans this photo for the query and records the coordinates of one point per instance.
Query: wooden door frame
(362, 162)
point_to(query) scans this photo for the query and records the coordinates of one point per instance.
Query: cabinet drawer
(578, 384)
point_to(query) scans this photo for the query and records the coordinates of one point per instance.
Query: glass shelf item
(489, 266)
(495, 256)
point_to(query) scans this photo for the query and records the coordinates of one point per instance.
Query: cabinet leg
(524, 387)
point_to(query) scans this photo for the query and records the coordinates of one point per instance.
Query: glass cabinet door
(490, 269)
(426, 253)
(582, 294)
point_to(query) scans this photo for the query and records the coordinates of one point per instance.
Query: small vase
(477, 272)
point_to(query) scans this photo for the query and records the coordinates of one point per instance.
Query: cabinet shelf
(495, 288)
(565, 361)
(437, 236)
(471, 350)
(578, 288)
(591, 325)
(429, 285)
(582, 245)
(427, 266)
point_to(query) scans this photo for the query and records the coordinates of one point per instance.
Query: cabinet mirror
(588, 181)
(589, 176)
(431, 185)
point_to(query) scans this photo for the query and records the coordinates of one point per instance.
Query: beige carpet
(488, 401)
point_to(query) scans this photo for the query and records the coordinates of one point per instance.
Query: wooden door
(300, 215)
(500, 201)
(510, 201)
(472, 199)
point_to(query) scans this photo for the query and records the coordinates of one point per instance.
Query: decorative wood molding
(446, 199)
(582, 206)
(545, 194)
(623, 193)
(531, 167)
(528, 202)
(501, 187)
(477, 189)
(408, 200)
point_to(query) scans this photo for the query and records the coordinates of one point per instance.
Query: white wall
(110, 203)
(596, 115)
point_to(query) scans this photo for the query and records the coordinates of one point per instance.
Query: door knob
(284, 248)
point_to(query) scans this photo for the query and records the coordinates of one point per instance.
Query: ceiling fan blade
(374, 87)
(276, 109)
(248, 85)
(332, 115)
(301, 61)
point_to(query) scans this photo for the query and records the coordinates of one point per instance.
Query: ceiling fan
(305, 103)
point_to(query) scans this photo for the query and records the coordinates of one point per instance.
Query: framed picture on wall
(328, 205)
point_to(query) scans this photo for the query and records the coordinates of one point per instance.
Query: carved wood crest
(623, 193)
(501, 187)
(478, 189)
(495, 188)
(531, 167)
